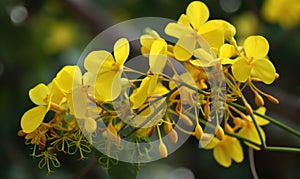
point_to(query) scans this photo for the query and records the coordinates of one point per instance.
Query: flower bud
(162, 149)
(90, 125)
(207, 110)
(167, 126)
(21, 133)
(198, 131)
(219, 132)
(272, 99)
(186, 119)
(259, 101)
(238, 122)
(173, 136)
(228, 128)
(248, 108)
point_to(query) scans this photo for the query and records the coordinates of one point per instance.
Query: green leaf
(123, 170)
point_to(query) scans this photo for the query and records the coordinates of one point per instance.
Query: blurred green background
(38, 37)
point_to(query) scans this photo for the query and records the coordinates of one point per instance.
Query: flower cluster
(79, 101)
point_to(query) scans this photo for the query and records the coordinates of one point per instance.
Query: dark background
(38, 37)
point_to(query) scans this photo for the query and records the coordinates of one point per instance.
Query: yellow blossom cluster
(201, 44)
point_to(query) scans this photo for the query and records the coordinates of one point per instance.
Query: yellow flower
(107, 70)
(249, 131)
(225, 53)
(157, 61)
(50, 97)
(255, 62)
(32, 118)
(147, 40)
(226, 150)
(193, 31)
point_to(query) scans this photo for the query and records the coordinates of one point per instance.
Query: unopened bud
(90, 125)
(198, 131)
(219, 132)
(228, 128)
(207, 110)
(21, 133)
(272, 99)
(173, 136)
(238, 122)
(162, 149)
(186, 120)
(248, 108)
(259, 101)
(167, 126)
(205, 139)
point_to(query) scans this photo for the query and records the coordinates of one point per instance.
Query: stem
(259, 132)
(252, 163)
(243, 139)
(283, 149)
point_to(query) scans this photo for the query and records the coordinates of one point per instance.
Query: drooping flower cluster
(157, 102)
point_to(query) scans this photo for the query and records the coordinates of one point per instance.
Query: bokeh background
(38, 37)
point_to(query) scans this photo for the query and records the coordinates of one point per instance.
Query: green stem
(283, 149)
(259, 132)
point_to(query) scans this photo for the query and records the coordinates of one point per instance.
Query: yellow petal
(56, 93)
(222, 157)
(211, 144)
(146, 41)
(159, 90)
(241, 70)
(78, 103)
(261, 121)
(121, 51)
(234, 149)
(204, 58)
(226, 51)
(183, 19)
(139, 95)
(198, 13)
(251, 133)
(227, 29)
(39, 94)
(152, 84)
(226, 61)
(178, 30)
(33, 118)
(145, 51)
(264, 70)
(99, 62)
(184, 48)
(90, 125)
(108, 85)
(68, 78)
(158, 56)
(256, 47)
(214, 36)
